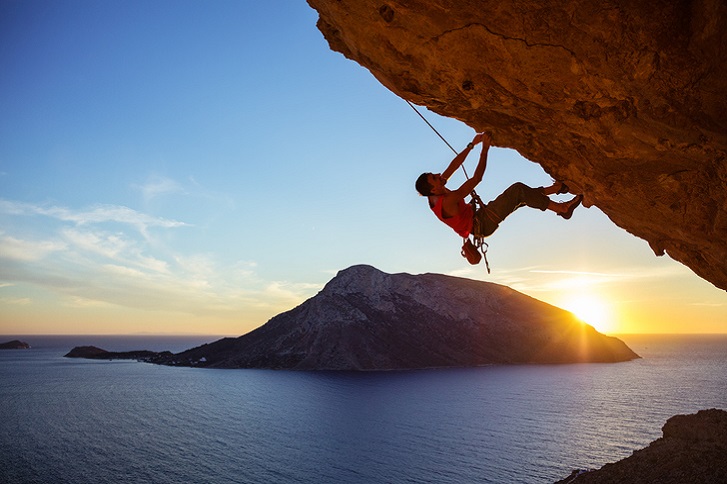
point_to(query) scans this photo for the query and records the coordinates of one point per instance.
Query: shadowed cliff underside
(626, 99)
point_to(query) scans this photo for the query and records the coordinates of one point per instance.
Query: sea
(83, 421)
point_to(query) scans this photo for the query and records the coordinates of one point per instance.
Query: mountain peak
(354, 277)
(366, 319)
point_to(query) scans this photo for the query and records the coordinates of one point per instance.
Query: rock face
(693, 450)
(14, 345)
(365, 319)
(626, 99)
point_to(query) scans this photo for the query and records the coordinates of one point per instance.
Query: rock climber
(449, 205)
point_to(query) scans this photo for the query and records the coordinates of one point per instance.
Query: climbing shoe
(571, 206)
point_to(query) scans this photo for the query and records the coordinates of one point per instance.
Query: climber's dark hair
(422, 185)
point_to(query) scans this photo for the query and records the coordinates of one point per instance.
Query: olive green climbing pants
(488, 217)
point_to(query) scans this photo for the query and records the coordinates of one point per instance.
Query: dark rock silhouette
(693, 450)
(365, 319)
(14, 345)
(625, 99)
(94, 353)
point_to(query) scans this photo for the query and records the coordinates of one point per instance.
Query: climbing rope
(438, 134)
(477, 241)
(430, 125)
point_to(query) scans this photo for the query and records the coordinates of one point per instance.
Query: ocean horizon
(69, 420)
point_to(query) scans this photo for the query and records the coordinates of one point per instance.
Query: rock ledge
(693, 450)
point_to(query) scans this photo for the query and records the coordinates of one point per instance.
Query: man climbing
(449, 205)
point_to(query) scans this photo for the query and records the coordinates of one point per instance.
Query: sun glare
(591, 310)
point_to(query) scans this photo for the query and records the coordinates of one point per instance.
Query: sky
(190, 167)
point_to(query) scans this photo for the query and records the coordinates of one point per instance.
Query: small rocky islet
(14, 345)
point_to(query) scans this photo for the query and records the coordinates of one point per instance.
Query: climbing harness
(478, 240)
(471, 249)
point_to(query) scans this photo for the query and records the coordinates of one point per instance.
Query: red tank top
(462, 222)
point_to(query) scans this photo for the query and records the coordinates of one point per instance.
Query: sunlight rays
(592, 310)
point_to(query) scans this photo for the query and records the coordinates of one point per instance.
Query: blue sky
(198, 167)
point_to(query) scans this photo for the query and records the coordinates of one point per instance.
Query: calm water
(64, 420)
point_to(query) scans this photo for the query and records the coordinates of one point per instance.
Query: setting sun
(591, 310)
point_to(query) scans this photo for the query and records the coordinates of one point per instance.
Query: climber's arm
(470, 184)
(459, 159)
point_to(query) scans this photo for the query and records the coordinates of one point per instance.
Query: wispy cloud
(90, 258)
(572, 273)
(536, 279)
(708, 304)
(27, 250)
(103, 244)
(95, 215)
(82, 302)
(157, 186)
(116, 247)
(15, 301)
(618, 273)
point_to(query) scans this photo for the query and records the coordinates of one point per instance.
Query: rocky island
(365, 319)
(14, 345)
(693, 450)
(94, 353)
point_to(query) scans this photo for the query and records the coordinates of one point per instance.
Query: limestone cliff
(627, 99)
(365, 319)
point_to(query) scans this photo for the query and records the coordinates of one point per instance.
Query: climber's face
(437, 183)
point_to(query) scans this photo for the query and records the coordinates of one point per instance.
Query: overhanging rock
(627, 99)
